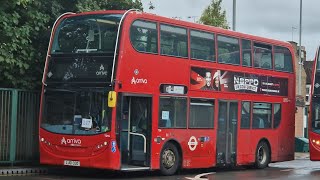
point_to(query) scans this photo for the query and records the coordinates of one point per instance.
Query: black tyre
(169, 159)
(262, 155)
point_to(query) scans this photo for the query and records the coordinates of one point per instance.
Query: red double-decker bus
(126, 90)
(314, 116)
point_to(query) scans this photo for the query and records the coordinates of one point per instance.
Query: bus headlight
(101, 146)
(45, 141)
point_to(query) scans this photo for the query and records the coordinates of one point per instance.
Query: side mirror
(112, 99)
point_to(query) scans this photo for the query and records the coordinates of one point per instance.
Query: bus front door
(135, 132)
(227, 133)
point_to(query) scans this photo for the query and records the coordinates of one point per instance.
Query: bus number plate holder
(71, 163)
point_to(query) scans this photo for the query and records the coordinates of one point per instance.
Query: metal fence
(19, 112)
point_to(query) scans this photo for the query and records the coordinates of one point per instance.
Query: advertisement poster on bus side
(228, 81)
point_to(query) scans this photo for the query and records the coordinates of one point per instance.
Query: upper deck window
(262, 56)
(246, 53)
(173, 41)
(282, 59)
(202, 45)
(228, 50)
(86, 34)
(144, 36)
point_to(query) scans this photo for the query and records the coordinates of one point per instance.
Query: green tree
(90, 5)
(20, 22)
(25, 27)
(213, 15)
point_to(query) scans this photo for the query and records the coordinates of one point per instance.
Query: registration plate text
(71, 163)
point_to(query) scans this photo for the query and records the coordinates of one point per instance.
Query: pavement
(22, 170)
(25, 169)
(301, 155)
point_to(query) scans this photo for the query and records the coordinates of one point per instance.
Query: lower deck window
(173, 112)
(262, 116)
(276, 115)
(245, 115)
(201, 113)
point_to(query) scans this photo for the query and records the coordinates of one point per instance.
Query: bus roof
(162, 19)
(208, 28)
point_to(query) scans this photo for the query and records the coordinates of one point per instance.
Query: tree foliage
(25, 27)
(213, 15)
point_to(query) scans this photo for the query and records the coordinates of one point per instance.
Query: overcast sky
(276, 19)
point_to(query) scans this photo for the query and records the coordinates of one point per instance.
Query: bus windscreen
(86, 34)
(76, 111)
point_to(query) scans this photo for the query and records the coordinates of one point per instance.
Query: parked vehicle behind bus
(314, 116)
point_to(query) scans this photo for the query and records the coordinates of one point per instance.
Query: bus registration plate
(71, 163)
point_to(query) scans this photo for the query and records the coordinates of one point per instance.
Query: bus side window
(201, 113)
(262, 56)
(245, 115)
(261, 115)
(172, 112)
(228, 50)
(173, 41)
(282, 59)
(144, 36)
(276, 115)
(246, 53)
(202, 45)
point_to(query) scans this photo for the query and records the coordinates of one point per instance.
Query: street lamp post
(300, 60)
(234, 15)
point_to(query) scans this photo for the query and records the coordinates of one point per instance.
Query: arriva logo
(73, 141)
(63, 141)
(101, 71)
(139, 81)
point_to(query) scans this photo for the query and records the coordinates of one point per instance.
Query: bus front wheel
(169, 159)
(262, 155)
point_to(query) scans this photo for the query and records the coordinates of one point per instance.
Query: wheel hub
(168, 158)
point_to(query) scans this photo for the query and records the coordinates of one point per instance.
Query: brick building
(308, 66)
(300, 116)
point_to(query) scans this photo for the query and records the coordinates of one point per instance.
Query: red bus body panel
(314, 148)
(159, 70)
(80, 148)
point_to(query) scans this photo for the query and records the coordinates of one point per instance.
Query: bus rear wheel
(169, 159)
(262, 155)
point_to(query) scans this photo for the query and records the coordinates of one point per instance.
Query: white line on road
(199, 176)
(285, 170)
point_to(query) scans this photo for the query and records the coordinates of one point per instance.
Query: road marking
(286, 170)
(199, 176)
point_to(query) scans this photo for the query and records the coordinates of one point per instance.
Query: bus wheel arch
(262, 154)
(170, 157)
